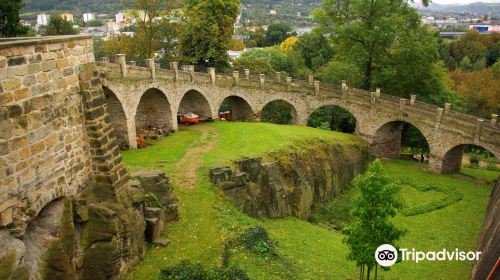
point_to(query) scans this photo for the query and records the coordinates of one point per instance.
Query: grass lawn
(306, 250)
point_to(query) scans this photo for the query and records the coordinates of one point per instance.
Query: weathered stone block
(13, 61)
(34, 68)
(22, 94)
(48, 65)
(11, 84)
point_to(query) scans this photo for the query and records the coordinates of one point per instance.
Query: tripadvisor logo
(386, 255)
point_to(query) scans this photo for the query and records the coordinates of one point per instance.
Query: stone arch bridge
(144, 96)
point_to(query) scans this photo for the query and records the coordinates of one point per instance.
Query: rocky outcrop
(98, 234)
(489, 241)
(291, 182)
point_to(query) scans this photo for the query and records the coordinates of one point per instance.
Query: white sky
(463, 1)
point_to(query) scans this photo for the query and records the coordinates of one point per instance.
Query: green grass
(306, 250)
(487, 176)
(164, 151)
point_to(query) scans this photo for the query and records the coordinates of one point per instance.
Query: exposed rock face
(291, 182)
(96, 235)
(489, 241)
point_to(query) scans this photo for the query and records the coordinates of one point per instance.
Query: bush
(256, 239)
(474, 159)
(186, 270)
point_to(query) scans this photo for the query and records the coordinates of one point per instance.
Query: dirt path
(185, 175)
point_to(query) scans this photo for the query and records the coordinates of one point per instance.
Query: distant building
(88, 17)
(485, 28)
(120, 17)
(272, 12)
(113, 28)
(67, 16)
(42, 19)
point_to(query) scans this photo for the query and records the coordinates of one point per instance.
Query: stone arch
(293, 109)
(239, 107)
(386, 141)
(195, 102)
(153, 111)
(118, 117)
(452, 158)
(347, 125)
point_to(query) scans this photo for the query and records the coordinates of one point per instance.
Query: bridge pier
(386, 143)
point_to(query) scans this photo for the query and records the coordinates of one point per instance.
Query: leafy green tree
(9, 18)
(479, 64)
(465, 64)
(206, 32)
(147, 13)
(414, 140)
(59, 26)
(365, 31)
(493, 54)
(413, 68)
(277, 33)
(277, 111)
(373, 209)
(276, 57)
(256, 65)
(334, 118)
(336, 71)
(315, 49)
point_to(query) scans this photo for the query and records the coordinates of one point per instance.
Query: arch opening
(153, 116)
(332, 117)
(395, 137)
(195, 102)
(279, 112)
(235, 108)
(471, 156)
(118, 118)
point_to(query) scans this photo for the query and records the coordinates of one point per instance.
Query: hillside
(474, 8)
(306, 250)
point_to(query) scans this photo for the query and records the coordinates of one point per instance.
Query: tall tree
(207, 30)
(277, 33)
(9, 18)
(365, 30)
(149, 21)
(315, 49)
(59, 26)
(376, 204)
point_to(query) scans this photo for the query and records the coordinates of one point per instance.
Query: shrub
(256, 239)
(227, 273)
(474, 159)
(186, 270)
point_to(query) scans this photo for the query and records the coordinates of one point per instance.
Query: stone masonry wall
(44, 149)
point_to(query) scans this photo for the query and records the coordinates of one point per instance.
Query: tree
(334, 118)
(59, 26)
(277, 58)
(9, 18)
(206, 32)
(277, 111)
(336, 71)
(376, 204)
(365, 31)
(277, 33)
(148, 14)
(256, 65)
(315, 49)
(236, 45)
(287, 45)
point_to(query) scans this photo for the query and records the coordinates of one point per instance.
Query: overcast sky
(463, 1)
